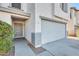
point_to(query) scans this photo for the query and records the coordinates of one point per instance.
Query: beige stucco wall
(5, 17)
(70, 28)
(72, 22)
(73, 16)
(77, 32)
(77, 17)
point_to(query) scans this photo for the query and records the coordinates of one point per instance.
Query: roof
(74, 8)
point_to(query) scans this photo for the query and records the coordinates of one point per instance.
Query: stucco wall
(60, 13)
(24, 7)
(29, 24)
(8, 5)
(4, 4)
(77, 15)
(42, 9)
(50, 10)
(70, 28)
(72, 22)
(5, 17)
(73, 16)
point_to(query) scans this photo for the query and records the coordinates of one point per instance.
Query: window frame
(64, 7)
(16, 7)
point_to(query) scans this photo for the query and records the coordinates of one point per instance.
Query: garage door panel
(52, 31)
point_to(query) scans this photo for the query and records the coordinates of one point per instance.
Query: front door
(18, 29)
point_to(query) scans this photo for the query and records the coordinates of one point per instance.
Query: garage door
(52, 31)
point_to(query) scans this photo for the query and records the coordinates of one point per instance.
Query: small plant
(6, 33)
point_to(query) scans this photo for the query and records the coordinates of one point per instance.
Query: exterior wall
(73, 22)
(4, 4)
(7, 5)
(70, 28)
(77, 17)
(73, 16)
(60, 13)
(24, 7)
(77, 24)
(42, 9)
(77, 32)
(5, 17)
(30, 23)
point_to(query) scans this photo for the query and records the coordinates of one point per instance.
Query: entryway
(18, 24)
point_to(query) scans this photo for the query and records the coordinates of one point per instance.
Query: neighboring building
(39, 23)
(73, 24)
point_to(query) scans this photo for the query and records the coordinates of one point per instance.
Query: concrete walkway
(22, 48)
(63, 47)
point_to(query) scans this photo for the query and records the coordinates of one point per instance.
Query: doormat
(36, 50)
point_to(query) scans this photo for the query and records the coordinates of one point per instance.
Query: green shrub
(5, 37)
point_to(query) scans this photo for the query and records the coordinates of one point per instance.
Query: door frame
(23, 29)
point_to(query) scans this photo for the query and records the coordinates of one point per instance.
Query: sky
(75, 5)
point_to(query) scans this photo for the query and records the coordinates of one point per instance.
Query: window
(64, 7)
(16, 5)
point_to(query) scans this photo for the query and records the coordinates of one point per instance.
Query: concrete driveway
(63, 47)
(22, 48)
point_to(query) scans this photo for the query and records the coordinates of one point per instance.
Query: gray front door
(18, 28)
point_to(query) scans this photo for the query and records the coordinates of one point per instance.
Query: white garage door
(52, 31)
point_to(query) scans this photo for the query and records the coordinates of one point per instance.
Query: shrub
(5, 37)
